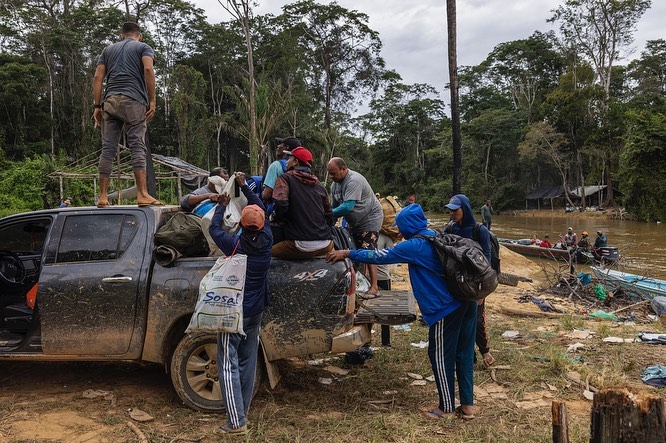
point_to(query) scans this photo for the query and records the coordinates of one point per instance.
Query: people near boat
(570, 240)
(535, 240)
(601, 240)
(545, 243)
(584, 242)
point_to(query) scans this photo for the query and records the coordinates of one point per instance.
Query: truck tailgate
(392, 308)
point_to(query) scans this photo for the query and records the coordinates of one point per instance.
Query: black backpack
(494, 244)
(468, 274)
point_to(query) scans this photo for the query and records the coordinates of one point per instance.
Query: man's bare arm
(98, 82)
(149, 75)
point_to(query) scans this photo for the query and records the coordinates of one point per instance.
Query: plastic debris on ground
(580, 334)
(415, 376)
(511, 334)
(654, 376)
(404, 327)
(659, 305)
(618, 340)
(653, 339)
(390, 392)
(544, 305)
(418, 383)
(584, 278)
(603, 315)
(600, 292)
(139, 415)
(421, 345)
(325, 380)
(430, 378)
(575, 347)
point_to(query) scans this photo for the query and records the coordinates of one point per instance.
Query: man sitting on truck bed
(196, 200)
(237, 355)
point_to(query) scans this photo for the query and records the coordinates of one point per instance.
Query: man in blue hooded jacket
(451, 322)
(463, 224)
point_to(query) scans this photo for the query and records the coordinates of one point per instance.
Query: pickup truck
(81, 284)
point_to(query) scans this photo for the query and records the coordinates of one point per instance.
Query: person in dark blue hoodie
(451, 322)
(462, 224)
(237, 355)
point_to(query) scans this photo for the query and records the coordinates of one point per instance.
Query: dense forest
(549, 109)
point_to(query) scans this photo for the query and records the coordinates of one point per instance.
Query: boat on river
(642, 286)
(525, 247)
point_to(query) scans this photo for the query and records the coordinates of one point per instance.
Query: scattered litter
(335, 370)
(548, 386)
(325, 380)
(496, 391)
(575, 347)
(603, 315)
(404, 327)
(654, 376)
(139, 415)
(419, 383)
(629, 323)
(618, 340)
(318, 361)
(392, 392)
(421, 345)
(653, 339)
(415, 376)
(511, 334)
(580, 334)
(659, 305)
(431, 378)
(600, 292)
(653, 318)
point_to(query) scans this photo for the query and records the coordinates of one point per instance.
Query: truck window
(95, 237)
(25, 237)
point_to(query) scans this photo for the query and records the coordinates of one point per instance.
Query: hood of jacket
(411, 221)
(304, 175)
(468, 215)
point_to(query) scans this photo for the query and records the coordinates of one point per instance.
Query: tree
(342, 54)
(455, 99)
(543, 139)
(191, 117)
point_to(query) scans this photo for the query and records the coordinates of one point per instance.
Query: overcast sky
(413, 33)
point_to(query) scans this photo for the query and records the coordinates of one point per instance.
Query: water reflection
(643, 245)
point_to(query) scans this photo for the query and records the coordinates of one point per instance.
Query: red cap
(252, 218)
(412, 198)
(301, 154)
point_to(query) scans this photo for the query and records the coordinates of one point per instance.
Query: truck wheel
(194, 373)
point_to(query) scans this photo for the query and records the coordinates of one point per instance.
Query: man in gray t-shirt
(128, 103)
(353, 198)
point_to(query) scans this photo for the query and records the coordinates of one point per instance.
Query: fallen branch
(644, 302)
(524, 313)
(137, 431)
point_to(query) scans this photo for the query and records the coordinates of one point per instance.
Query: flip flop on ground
(460, 414)
(368, 295)
(152, 203)
(227, 430)
(436, 414)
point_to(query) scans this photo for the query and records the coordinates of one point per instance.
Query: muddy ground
(378, 402)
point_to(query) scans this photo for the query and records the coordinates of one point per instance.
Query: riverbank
(613, 214)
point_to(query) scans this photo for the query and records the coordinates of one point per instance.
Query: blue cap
(454, 203)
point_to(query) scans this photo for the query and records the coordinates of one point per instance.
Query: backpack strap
(283, 162)
(476, 233)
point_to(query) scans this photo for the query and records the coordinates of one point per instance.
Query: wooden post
(621, 416)
(560, 422)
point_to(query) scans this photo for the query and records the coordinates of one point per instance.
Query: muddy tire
(194, 373)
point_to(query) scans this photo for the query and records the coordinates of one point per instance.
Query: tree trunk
(254, 148)
(620, 416)
(560, 422)
(455, 100)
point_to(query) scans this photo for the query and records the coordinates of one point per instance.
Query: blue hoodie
(466, 229)
(425, 269)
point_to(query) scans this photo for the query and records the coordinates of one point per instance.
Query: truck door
(89, 286)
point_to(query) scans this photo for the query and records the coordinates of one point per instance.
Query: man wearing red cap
(237, 355)
(302, 210)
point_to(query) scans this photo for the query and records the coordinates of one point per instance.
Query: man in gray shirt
(129, 102)
(353, 198)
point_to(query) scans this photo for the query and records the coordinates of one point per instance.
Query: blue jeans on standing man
(237, 362)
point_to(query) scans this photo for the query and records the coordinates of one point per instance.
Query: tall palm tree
(455, 99)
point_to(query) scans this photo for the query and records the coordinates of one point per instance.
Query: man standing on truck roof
(354, 199)
(237, 355)
(302, 209)
(451, 322)
(196, 200)
(128, 103)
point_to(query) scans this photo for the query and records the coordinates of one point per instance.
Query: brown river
(642, 245)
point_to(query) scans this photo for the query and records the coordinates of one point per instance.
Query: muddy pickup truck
(81, 284)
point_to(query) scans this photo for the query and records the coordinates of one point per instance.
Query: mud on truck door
(89, 287)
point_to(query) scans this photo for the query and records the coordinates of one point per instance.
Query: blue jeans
(451, 353)
(237, 361)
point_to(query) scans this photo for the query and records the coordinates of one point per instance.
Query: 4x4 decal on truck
(311, 276)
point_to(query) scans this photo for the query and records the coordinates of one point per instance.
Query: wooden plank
(560, 422)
